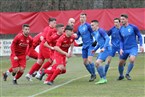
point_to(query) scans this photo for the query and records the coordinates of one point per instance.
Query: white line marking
(58, 86)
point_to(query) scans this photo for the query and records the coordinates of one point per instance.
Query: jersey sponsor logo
(65, 41)
(66, 45)
(23, 45)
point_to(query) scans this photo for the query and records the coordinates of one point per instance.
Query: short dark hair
(68, 27)
(25, 25)
(59, 25)
(52, 19)
(83, 14)
(117, 19)
(96, 21)
(124, 15)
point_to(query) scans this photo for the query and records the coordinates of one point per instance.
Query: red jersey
(36, 40)
(53, 39)
(20, 43)
(48, 30)
(65, 42)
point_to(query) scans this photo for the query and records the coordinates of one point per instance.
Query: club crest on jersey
(27, 41)
(84, 28)
(64, 41)
(71, 40)
(129, 30)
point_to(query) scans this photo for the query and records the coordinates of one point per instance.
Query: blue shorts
(113, 51)
(87, 52)
(133, 51)
(103, 55)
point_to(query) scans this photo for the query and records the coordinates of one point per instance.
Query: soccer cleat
(128, 77)
(5, 76)
(49, 83)
(101, 81)
(34, 74)
(28, 77)
(15, 82)
(40, 77)
(93, 77)
(13, 74)
(120, 78)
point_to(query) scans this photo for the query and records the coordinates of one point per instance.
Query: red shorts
(52, 54)
(60, 59)
(44, 52)
(21, 62)
(32, 53)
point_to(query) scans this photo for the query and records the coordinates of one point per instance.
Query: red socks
(55, 74)
(46, 65)
(19, 74)
(10, 70)
(34, 68)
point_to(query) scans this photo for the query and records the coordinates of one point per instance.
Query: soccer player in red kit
(36, 41)
(62, 46)
(19, 51)
(31, 53)
(50, 43)
(43, 51)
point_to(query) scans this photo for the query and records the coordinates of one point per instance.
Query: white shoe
(28, 77)
(38, 75)
(45, 82)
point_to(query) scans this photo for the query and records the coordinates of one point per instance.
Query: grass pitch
(75, 82)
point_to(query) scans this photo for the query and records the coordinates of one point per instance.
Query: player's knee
(40, 62)
(22, 69)
(90, 60)
(85, 62)
(98, 63)
(15, 69)
(132, 59)
(121, 62)
(109, 61)
(61, 67)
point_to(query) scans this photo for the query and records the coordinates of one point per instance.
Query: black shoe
(5, 76)
(34, 74)
(15, 82)
(13, 74)
(120, 78)
(128, 77)
(41, 76)
(50, 83)
(93, 77)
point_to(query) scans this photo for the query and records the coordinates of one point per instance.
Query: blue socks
(130, 66)
(121, 69)
(101, 72)
(91, 68)
(106, 68)
(88, 67)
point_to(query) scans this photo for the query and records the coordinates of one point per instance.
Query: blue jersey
(114, 33)
(85, 31)
(128, 37)
(102, 39)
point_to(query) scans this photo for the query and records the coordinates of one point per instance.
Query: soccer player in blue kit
(85, 31)
(102, 39)
(115, 41)
(128, 45)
